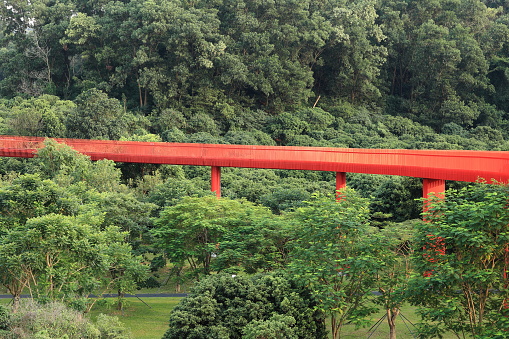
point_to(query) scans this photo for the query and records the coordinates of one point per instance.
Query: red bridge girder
(435, 166)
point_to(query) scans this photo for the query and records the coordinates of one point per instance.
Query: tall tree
(64, 257)
(33, 29)
(353, 61)
(97, 117)
(193, 229)
(465, 288)
(335, 255)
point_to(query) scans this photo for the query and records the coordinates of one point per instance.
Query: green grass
(144, 322)
(404, 328)
(382, 331)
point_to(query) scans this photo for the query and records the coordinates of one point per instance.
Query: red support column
(340, 183)
(434, 187)
(215, 180)
(436, 245)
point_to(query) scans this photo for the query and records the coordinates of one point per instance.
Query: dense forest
(408, 74)
(368, 74)
(222, 67)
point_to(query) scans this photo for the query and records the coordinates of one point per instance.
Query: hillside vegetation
(406, 74)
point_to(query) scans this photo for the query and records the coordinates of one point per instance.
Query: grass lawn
(403, 328)
(145, 322)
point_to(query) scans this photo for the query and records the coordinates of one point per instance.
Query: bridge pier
(340, 180)
(434, 187)
(215, 180)
(430, 188)
(340, 183)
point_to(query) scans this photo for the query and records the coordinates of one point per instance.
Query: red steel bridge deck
(434, 166)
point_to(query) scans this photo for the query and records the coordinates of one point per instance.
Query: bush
(5, 317)
(55, 320)
(222, 306)
(52, 320)
(111, 327)
(150, 282)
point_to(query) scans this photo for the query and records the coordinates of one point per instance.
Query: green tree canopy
(463, 251)
(335, 255)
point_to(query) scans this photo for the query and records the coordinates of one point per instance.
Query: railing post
(215, 180)
(340, 183)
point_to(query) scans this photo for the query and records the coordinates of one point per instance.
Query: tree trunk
(120, 303)
(15, 302)
(335, 327)
(392, 314)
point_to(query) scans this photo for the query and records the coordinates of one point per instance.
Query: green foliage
(66, 166)
(285, 126)
(277, 327)
(174, 189)
(150, 282)
(55, 320)
(111, 327)
(29, 196)
(60, 257)
(250, 184)
(125, 270)
(353, 61)
(258, 243)
(464, 289)
(223, 306)
(96, 117)
(397, 196)
(285, 199)
(191, 229)
(55, 255)
(336, 256)
(237, 233)
(57, 243)
(5, 318)
(124, 211)
(38, 116)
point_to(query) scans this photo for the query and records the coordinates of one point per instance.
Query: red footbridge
(433, 166)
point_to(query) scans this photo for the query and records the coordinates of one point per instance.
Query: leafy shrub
(55, 320)
(51, 320)
(223, 306)
(111, 327)
(5, 318)
(151, 282)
